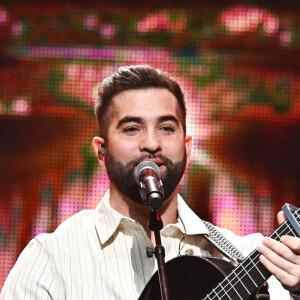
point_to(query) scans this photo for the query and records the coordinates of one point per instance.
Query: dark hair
(131, 78)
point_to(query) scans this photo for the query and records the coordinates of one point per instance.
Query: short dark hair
(133, 78)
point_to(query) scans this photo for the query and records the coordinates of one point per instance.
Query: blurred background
(238, 63)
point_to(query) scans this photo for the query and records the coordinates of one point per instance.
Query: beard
(122, 176)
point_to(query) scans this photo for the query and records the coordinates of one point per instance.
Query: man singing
(101, 254)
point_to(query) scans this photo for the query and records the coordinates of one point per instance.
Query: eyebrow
(169, 118)
(139, 120)
(129, 119)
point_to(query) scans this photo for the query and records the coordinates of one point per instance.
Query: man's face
(145, 125)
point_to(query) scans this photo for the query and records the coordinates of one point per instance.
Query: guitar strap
(217, 239)
(295, 295)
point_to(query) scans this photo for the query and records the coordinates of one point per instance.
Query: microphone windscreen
(146, 165)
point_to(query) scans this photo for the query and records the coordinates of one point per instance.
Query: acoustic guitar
(191, 277)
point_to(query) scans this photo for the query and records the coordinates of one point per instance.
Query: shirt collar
(192, 223)
(108, 219)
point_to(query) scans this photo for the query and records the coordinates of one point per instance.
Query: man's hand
(282, 258)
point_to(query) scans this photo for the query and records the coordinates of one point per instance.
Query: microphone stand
(155, 225)
(147, 175)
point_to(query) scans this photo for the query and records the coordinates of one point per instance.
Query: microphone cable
(184, 235)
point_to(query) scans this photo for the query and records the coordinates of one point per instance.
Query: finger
(279, 255)
(291, 242)
(281, 249)
(281, 217)
(289, 281)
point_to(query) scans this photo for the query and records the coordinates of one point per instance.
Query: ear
(188, 147)
(97, 142)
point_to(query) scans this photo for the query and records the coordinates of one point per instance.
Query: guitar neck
(249, 275)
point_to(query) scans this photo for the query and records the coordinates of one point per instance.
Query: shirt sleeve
(32, 277)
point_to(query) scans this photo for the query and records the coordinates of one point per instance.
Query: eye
(168, 129)
(131, 130)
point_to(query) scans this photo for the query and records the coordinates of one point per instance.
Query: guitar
(191, 277)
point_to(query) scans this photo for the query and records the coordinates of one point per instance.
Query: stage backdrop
(238, 66)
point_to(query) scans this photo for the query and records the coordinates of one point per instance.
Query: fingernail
(266, 241)
(261, 248)
(262, 258)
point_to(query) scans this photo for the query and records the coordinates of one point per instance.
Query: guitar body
(190, 277)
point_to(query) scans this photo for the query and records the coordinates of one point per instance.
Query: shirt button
(189, 252)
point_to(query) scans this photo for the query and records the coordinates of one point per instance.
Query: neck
(140, 212)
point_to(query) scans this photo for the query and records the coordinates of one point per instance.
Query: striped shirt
(100, 254)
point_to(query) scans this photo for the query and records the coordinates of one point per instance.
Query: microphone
(147, 175)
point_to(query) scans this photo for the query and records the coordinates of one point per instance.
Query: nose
(150, 142)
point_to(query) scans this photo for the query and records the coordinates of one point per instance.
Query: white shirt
(100, 254)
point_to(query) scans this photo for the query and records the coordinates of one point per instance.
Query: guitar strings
(227, 278)
(184, 235)
(230, 281)
(285, 230)
(237, 274)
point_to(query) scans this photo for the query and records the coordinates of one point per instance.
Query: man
(101, 254)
